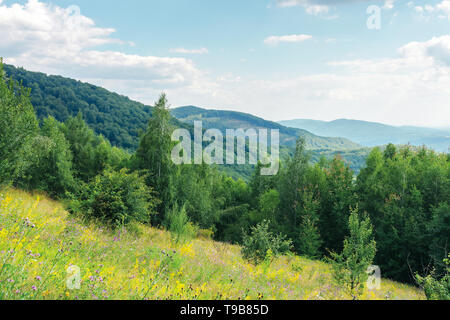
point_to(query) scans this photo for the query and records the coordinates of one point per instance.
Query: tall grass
(40, 242)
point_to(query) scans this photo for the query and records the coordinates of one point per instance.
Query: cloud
(412, 88)
(274, 40)
(441, 10)
(311, 6)
(322, 7)
(189, 51)
(57, 40)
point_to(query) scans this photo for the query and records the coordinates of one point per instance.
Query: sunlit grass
(39, 241)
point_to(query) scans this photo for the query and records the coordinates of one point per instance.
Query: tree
(336, 198)
(153, 155)
(90, 152)
(309, 241)
(290, 186)
(350, 266)
(52, 172)
(18, 126)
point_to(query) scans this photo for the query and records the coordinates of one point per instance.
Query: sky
(381, 60)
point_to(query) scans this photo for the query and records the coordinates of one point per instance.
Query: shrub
(261, 241)
(436, 289)
(118, 197)
(177, 222)
(350, 266)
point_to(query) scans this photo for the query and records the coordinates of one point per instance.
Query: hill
(114, 116)
(144, 263)
(223, 120)
(372, 134)
(353, 153)
(120, 119)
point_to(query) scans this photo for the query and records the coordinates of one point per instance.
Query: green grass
(39, 240)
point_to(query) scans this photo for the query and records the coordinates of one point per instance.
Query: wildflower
(38, 278)
(34, 288)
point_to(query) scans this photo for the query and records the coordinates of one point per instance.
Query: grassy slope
(143, 263)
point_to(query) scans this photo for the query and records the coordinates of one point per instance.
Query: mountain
(223, 120)
(120, 119)
(354, 154)
(374, 134)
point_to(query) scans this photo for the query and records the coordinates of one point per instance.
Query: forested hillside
(116, 117)
(120, 119)
(223, 120)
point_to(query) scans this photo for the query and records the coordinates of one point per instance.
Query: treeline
(404, 193)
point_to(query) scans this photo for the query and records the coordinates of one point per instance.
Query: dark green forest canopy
(114, 116)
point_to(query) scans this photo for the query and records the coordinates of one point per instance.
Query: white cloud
(311, 6)
(389, 4)
(57, 40)
(274, 40)
(189, 51)
(441, 10)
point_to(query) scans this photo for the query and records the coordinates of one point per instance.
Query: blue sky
(279, 59)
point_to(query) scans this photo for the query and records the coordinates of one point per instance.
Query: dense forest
(402, 192)
(121, 120)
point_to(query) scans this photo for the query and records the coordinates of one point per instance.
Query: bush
(436, 289)
(260, 241)
(177, 222)
(117, 197)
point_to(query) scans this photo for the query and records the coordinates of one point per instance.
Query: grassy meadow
(40, 243)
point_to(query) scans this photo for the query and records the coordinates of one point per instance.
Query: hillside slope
(39, 241)
(222, 120)
(116, 117)
(372, 134)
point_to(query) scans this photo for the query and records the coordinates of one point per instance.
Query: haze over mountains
(372, 134)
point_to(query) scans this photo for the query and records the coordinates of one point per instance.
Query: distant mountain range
(222, 120)
(372, 134)
(353, 153)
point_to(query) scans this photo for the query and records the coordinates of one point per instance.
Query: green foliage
(18, 126)
(177, 222)
(91, 153)
(436, 289)
(350, 266)
(406, 192)
(153, 155)
(117, 198)
(51, 170)
(310, 241)
(116, 117)
(260, 242)
(269, 202)
(439, 233)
